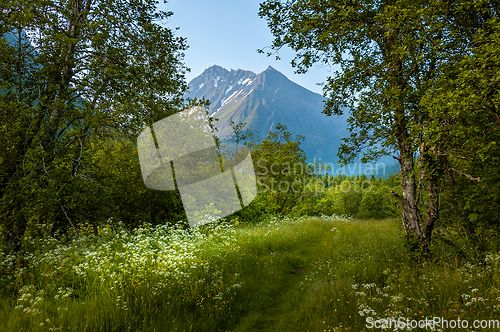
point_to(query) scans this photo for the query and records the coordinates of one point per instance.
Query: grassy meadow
(303, 274)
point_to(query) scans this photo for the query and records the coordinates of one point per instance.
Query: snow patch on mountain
(228, 89)
(249, 92)
(214, 114)
(248, 81)
(216, 80)
(232, 95)
(200, 86)
(230, 99)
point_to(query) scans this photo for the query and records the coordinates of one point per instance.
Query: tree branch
(71, 223)
(466, 175)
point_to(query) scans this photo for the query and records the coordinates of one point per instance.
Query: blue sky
(228, 33)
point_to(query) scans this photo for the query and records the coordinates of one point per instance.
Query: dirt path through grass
(296, 261)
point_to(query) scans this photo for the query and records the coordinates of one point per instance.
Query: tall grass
(305, 274)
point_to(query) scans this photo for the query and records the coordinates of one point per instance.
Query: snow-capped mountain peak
(266, 99)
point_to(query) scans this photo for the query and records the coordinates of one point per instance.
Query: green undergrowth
(304, 274)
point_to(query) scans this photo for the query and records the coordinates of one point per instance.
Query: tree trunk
(410, 213)
(18, 224)
(16, 233)
(432, 172)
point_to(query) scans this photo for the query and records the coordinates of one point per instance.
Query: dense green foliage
(355, 196)
(464, 105)
(87, 247)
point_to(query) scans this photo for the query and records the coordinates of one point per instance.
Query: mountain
(266, 99)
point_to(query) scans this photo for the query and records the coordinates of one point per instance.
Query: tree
(390, 53)
(71, 70)
(280, 166)
(239, 135)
